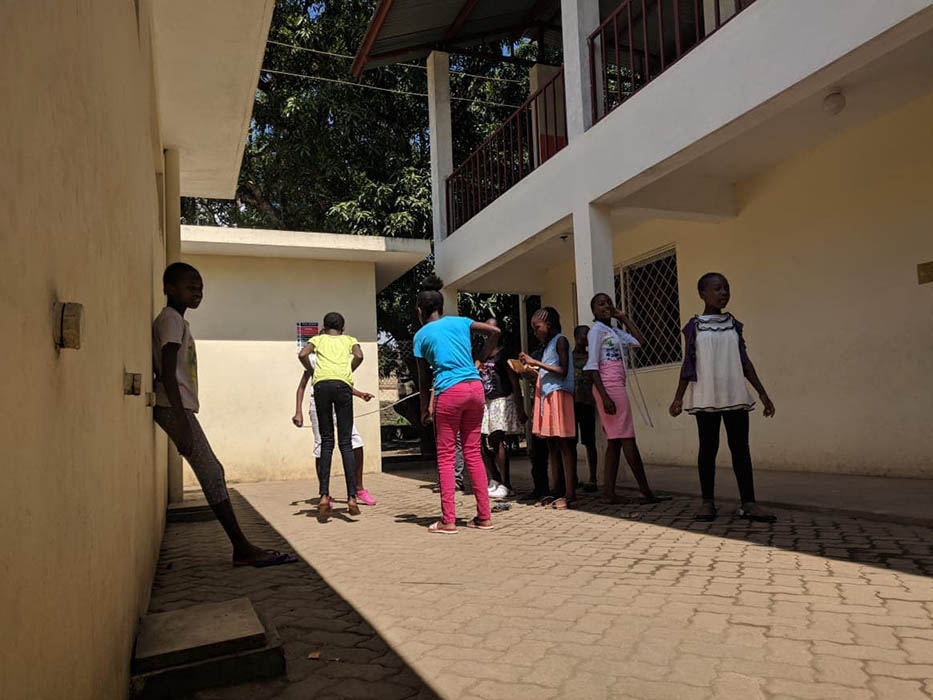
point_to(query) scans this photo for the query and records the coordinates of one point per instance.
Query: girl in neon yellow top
(337, 356)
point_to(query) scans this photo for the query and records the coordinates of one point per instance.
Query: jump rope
(641, 404)
(381, 409)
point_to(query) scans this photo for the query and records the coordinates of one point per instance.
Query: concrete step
(189, 510)
(204, 646)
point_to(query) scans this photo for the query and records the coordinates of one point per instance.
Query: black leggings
(539, 463)
(330, 396)
(737, 435)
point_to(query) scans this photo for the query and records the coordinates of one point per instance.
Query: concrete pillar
(592, 253)
(172, 208)
(441, 138)
(451, 302)
(579, 18)
(173, 254)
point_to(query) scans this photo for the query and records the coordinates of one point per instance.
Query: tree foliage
(334, 156)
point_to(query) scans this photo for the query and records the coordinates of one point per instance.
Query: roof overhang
(406, 29)
(393, 257)
(207, 55)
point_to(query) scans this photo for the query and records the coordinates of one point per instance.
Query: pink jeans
(460, 410)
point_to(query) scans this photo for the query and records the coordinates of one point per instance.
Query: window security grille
(648, 291)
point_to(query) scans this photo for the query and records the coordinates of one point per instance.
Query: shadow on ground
(904, 548)
(354, 660)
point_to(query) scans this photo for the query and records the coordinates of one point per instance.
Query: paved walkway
(626, 602)
(354, 661)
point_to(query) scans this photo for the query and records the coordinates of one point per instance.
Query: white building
(785, 143)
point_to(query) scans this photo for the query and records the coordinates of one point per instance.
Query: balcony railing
(642, 38)
(532, 134)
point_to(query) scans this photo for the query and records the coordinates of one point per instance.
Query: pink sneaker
(363, 497)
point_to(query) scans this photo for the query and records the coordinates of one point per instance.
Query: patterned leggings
(203, 461)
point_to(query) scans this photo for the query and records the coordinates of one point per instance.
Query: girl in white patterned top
(716, 367)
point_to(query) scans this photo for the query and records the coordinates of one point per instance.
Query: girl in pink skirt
(606, 367)
(553, 414)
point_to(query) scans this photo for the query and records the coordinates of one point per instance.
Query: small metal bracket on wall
(925, 273)
(132, 384)
(67, 324)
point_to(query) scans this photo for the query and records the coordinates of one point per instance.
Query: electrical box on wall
(925, 273)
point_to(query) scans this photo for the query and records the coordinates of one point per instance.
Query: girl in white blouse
(713, 388)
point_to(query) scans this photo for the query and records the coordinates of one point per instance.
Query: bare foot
(323, 509)
(352, 507)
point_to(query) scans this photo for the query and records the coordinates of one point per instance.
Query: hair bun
(432, 283)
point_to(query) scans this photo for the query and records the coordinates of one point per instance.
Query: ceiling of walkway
(402, 30)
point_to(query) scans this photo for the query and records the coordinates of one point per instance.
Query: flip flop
(742, 513)
(276, 558)
(545, 502)
(658, 498)
(706, 517)
(436, 529)
(474, 524)
(554, 504)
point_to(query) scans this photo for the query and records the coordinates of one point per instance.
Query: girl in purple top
(713, 388)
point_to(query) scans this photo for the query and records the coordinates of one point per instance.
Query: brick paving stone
(603, 601)
(355, 662)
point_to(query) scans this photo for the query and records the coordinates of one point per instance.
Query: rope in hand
(381, 409)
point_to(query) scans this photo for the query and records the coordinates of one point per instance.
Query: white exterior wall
(739, 78)
(84, 478)
(248, 369)
(822, 261)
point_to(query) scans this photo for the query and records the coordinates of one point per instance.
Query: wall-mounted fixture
(925, 273)
(132, 384)
(67, 324)
(834, 103)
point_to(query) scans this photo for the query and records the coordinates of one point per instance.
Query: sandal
(436, 529)
(545, 502)
(560, 504)
(756, 518)
(706, 514)
(474, 524)
(275, 558)
(655, 498)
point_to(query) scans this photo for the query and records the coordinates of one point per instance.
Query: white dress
(720, 382)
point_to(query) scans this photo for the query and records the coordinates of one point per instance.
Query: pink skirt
(620, 424)
(553, 414)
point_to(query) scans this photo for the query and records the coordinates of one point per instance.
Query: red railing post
(661, 33)
(676, 29)
(644, 38)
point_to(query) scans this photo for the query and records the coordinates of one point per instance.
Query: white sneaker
(493, 485)
(499, 492)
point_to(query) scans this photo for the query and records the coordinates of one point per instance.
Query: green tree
(325, 154)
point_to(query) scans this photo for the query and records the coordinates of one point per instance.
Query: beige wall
(83, 466)
(822, 262)
(247, 358)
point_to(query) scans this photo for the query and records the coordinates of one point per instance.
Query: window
(647, 289)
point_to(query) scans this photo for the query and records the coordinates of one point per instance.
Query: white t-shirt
(171, 327)
(606, 345)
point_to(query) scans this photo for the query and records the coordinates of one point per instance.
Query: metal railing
(530, 136)
(642, 38)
